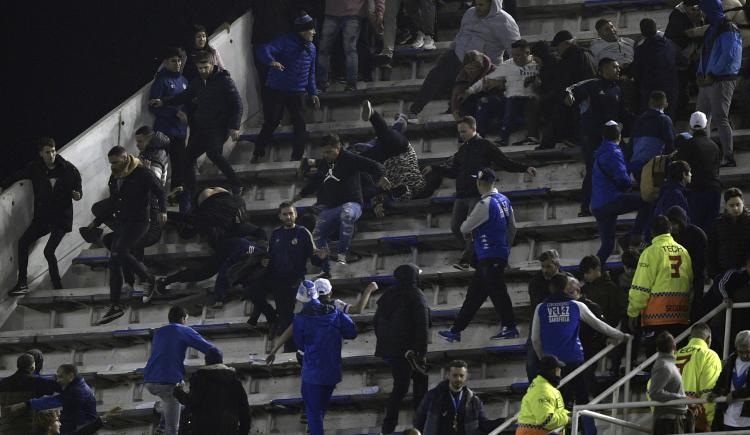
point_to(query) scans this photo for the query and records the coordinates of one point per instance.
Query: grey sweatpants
(714, 100)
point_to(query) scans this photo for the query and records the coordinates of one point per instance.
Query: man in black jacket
(576, 64)
(56, 182)
(402, 322)
(217, 402)
(683, 29)
(704, 157)
(472, 156)
(216, 114)
(131, 188)
(21, 386)
(338, 184)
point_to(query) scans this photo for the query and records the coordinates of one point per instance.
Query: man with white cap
(704, 157)
(319, 330)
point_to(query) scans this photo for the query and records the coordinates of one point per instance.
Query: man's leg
(326, 222)
(176, 160)
(419, 387)
(215, 152)
(316, 399)
(350, 213)
(589, 143)
(49, 253)
(272, 118)
(489, 108)
(34, 232)
(475, 297)
(439, 80)
(350, 36)
(512, 113)
(705, 206)
(461, 209)
(580, 394)
(720, 96)
(401, 371)
(531, 116)
(389, 138)
(195, 148)
(295, 103)
(493, 277)
(123, 243)
(284, 293)
(331, 28)
(205, 270)
(169, 405)
(605, 222)
(392, 8)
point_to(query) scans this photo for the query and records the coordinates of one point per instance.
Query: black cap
(549, 363)
(562, 35)
(486, 174)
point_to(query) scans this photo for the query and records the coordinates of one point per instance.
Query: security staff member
(542, 407)
(700, 367)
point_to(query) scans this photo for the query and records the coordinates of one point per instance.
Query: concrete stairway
(112, 357)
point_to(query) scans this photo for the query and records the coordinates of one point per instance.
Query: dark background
(68, 63)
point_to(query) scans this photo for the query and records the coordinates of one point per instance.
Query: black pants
(284, 293)
(34, 232)
(590, 140)
(559, 122)
(390, 139)
(668, 426)
(211, 143)
(152, 236)
(207, 268)
(649, 343)
(402, 376)
(262, 71)
(176, 160)
(439, 80)
(256, 291)
(488, 280)
(277, 101)
(126, 237)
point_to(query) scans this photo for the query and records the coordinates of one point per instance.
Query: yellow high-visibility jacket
(542, 409)
(663, 284)
(700, 367)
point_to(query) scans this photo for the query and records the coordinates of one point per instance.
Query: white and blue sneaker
(506, 333)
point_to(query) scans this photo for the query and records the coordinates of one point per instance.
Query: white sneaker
(341, 258)
(429, 43)
(418, 41)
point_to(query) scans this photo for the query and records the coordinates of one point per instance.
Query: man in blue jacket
(599, 100)
(171, 120)
(215, 115)
(291, 74)
(653, 134)
(319, 331)
(492, 226)
(165, 367)
(76, 399)
(717, 73)
(610, 197)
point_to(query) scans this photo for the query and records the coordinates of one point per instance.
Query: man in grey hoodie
(666, 385)
(487, 28)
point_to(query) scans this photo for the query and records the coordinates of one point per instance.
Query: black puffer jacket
(219, 216)
(217, 402)
(728, 243)
(131, 201)
(156, 151)
(402, 318)
(704, 157)
(52, 205)
(214, 103)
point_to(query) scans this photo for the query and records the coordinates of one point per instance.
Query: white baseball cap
(698, 120)
(323, 286)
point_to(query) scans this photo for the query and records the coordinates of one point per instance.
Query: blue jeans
(349, 28)
(344, 217)
(316, 399)
(510, 111)
(606, 220)
(489, 108)
(170, 407)
(705, 206)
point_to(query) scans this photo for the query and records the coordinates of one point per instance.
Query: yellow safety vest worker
(542, 409)
(700, 368)
(663, 284)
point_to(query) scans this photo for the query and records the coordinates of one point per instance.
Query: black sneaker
(20, 289)
(729, 163)
(91, 235)
(150, 289)
(113, 313)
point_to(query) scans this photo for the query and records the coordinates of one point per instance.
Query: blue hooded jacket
(166, 365)
(318, 331)
(298, 58)
(78, 405)
(653, 134)
(722, 45)
(671, 193)
(608, 185)
(167, 84)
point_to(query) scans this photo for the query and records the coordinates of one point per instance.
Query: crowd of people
(680, 259)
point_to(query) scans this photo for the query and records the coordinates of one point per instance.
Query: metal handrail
(580, 410)
(610, 419)
(580, 369)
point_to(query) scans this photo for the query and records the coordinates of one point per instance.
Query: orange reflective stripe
(667, 308)
(522, 430)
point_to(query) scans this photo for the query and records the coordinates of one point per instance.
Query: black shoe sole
(110, 319)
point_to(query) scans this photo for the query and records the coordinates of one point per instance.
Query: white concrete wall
(88, 152)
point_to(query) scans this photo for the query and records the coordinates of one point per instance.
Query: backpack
(653, 174)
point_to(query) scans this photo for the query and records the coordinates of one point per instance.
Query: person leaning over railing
(733, 384)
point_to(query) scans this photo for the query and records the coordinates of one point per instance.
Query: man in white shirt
(520, 102)
(609, 45)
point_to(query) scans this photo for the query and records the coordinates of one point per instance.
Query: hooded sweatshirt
(610, 177)
(653, 134)
(167, 84)
(402, 319)
(491, 35)
(319, 331)
(298, 57)
(466, 78)
(722, 45)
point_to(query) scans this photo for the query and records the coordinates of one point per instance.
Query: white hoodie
(491, 35)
